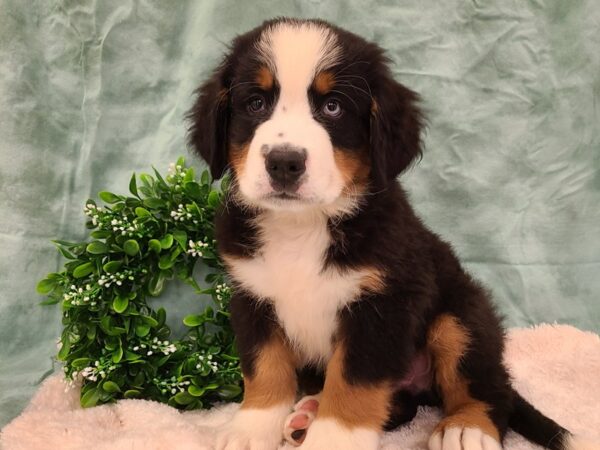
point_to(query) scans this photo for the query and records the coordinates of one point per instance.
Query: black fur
(423, 278)
(253, 323)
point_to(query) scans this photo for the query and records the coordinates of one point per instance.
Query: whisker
(360, 78)
(346, 95)
(368, 94)
(346, 67)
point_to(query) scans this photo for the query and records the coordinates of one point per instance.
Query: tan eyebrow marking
(264, 78)
(324, 82)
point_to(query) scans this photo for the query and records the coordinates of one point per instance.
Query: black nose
(285, 165)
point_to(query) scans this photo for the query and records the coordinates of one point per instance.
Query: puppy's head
(307, 116)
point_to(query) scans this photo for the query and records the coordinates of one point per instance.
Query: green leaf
(66, 243)
(131, 393)
(154, 245)
(167, 241)
(147, 180)
(196, 391)
(107, 325)
(45, 286)
(181, 237)
(229, 391)
(66, 253)
(65, 348)
(193, 189)
(142, 212)
(117, 355)
(112, 266)
(193, 320)
(91, 332)
(161, 316)
(175, 253)
(132, 202)
(131, 247)
(160, 179)
(111, 387)
(165, 262)
(109, 197)
(80, 363)
(100, 234)
(189, 175)
(90, 398)
(97, 248)
(142, 329)
(120, 304)
(154, 203)
(180, 161)
(133, 185)
(156, 284)
(130, 356)
(183, 398)
(225, 182)
(83, 270)
(213, 199)
(50, 301)
(150, 321)
(205, 177)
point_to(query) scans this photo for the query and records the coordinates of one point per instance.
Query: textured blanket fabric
(555, 367)
(91, 91)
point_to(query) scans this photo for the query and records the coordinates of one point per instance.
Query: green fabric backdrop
(93, 90)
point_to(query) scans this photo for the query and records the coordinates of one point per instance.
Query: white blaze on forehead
(296, 52)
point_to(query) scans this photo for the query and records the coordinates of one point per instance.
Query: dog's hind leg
(475, 392)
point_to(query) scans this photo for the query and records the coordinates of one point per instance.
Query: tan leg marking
(448, 341)
(274, 379)
(364, 406)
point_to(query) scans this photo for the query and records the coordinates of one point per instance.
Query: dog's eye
(256, 104)
(332, 108)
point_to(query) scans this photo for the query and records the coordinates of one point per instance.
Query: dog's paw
(459, 438)
(331, 435)
(253, 429)
(297, 423)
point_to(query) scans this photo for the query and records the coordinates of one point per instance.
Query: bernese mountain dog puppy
(341, 292)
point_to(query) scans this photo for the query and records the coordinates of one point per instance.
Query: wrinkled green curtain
(93, 90)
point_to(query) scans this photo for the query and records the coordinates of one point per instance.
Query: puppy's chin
(335, 206)
(280, 201)
(287, 202)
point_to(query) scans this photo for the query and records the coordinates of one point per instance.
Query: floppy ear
(396, 123)
(209, 117)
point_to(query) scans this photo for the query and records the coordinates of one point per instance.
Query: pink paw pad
(297, 423)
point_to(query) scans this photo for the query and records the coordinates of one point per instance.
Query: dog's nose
(285, 165)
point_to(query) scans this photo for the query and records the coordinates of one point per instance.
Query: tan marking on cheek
(353, 405)
(373, 281)
(237, 158)
(354, 167)
(324, 82)
(274, 379)
(448, 340)
(264, 78)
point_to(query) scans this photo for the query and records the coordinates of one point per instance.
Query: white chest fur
(288, 271)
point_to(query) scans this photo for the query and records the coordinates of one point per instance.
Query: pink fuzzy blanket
(556, 367)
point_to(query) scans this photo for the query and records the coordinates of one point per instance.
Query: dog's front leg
(351, 415)
(270, 381)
